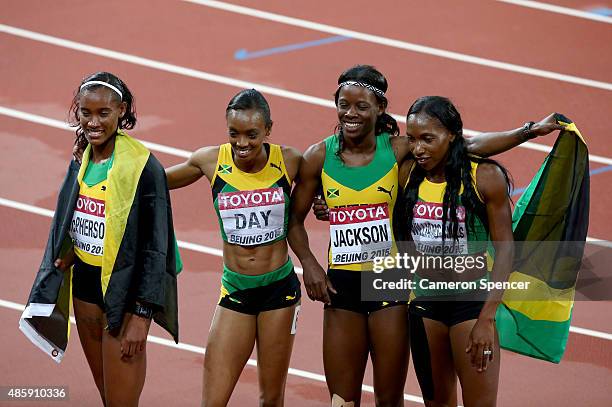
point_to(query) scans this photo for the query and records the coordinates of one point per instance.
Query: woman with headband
(358, 170)
(260, 293)
(112, 232)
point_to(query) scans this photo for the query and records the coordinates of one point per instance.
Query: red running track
(187, 113)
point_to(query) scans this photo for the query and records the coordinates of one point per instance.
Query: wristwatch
(142, 311)
(527, 134)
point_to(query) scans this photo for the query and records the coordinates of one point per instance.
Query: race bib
(358, 234)
(88, 225)
(427, 230)
(252, 217)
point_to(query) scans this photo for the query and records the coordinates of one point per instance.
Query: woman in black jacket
(112, 232)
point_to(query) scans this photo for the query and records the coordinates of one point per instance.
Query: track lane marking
(202, 350)
(224, 80)
(181, 244)
(553, 8)
(194, 246)
(46, 121)
(17, 114)
(252, 362)
(596, 171)
(163, 66)
(404, 45)
(58, 124)
(244, 54)
(292, 371)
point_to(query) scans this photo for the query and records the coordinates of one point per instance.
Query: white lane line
(590, 332)
(547, 149)
(121, 56)
(201, 351)
(216, 252)
(162, 66)
(181, 243)
(599, 242)
(375, 39)
(184, 153)
(224, 80)
(26, 208)
(46, 121)
(559, 10)
(292, 371)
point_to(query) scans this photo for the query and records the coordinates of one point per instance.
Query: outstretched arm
(483, 144)
(201, 162)
(487, 144)
(316, 281)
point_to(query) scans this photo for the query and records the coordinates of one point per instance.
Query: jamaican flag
(550, 224)
(139, 260)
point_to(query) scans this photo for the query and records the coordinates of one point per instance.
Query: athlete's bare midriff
(255, 260)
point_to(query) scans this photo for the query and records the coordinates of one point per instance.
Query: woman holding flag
(111, 246)
(458, 332)
(358, 168)
(452, 331)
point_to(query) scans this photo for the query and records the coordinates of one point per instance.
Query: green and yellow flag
(550, 223)
(140, 259)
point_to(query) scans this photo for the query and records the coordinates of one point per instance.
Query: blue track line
(243, 54)
(602, 11)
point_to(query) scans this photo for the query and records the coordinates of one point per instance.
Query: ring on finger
(487, 352)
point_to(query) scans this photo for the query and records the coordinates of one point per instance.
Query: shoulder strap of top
(277, 159)
(474, 181)
(224, 149)
(412, 166)
(332, 143)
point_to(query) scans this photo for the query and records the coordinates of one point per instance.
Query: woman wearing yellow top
(113, 224)
(260, 292)
(358, 169)
(454, 205)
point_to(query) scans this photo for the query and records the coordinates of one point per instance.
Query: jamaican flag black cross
(139, 260)
(550, 224)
